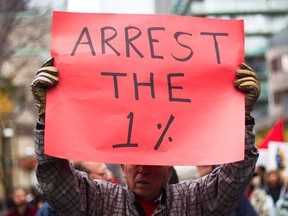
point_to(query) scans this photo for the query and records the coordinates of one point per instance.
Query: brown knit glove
(46, 77)
(248, 82)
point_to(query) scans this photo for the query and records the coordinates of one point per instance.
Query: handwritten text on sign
(145, 89)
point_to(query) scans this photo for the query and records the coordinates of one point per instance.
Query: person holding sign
(73, 193)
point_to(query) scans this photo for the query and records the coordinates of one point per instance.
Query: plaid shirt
(72, 192)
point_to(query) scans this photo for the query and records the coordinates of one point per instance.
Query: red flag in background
(275, 134)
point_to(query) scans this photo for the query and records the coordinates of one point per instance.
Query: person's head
(273, 178)
(19, 197)
(145, 181)
(97, 170)
(260, 170)
(256, 181)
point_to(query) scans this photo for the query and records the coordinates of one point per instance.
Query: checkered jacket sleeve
(71, 192)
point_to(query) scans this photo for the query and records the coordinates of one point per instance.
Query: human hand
(46, 77)
(248, 82)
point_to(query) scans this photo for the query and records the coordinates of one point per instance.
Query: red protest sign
(145, 89)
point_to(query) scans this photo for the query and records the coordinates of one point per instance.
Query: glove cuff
(249, 121)
(40, 125)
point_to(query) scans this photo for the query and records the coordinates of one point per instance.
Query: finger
(249, 86)
(238, 82)
(45, 80)
(245, 66)
(50, 62)
(47, 75)
(245, 73)
(49, 70)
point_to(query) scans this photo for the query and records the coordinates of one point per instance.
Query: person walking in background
(46, 210)
(274, 184)
(96, 171)
(282, 203)
(117, 173)
(261, 172)
(259, 199)
(243, 207)
(21, 205)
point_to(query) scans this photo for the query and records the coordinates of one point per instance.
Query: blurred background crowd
(25, 45)
(266, 195)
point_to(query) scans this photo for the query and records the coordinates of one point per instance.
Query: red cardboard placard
(146, 89)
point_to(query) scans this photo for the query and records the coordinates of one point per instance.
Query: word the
(150, 84)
